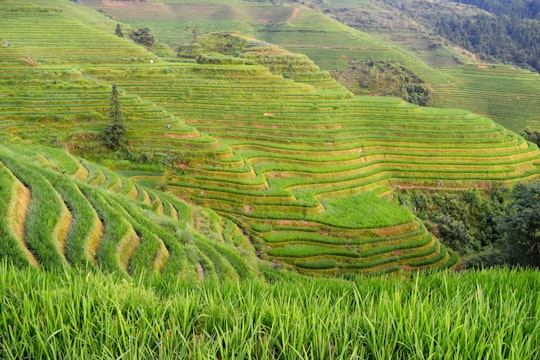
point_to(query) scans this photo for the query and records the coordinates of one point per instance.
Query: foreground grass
(487, 314)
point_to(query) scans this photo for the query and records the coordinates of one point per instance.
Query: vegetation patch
(384, 78)
(363, 211)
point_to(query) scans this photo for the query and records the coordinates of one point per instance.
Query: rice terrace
(234, 179)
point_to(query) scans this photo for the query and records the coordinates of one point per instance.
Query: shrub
(143, 37)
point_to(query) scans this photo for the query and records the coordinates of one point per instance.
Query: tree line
(519, 9)
(498, 30)
(502, 38)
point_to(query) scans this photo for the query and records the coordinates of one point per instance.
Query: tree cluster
(118, 31)
(143, 37)
(532, 135)
(518, 9)
(521, 225)
(384, 78)
(501, 226)
(496, 30)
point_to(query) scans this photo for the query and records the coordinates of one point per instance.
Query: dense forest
(516, 8)
(506, 31)
(494, 227)
(509, 39)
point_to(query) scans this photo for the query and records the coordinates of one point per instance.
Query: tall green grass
(478, 315)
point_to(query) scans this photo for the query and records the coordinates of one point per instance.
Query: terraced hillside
(506, 94)
(268, 141)
(300, 165)
(34, 32)
(59, 210)
(333, 46)
(290, 161)
(293, 26)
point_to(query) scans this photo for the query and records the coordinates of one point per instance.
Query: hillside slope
(59, 210)
(268, 140)
(392, 34)
(60, 32)
(449, 34)
(290, 25)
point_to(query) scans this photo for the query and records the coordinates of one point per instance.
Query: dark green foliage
(416, 93)
(384, 78)
(510, 34)
(143, 37)
(497, 31)
(453, 231)
(467, 221)
(216, 43)
(495, 228)
(531, 135)
(524, 9)
(522, 225)
(115, 133)
(118, 31)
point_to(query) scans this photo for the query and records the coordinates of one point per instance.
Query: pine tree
(118, 31)
(115, 132)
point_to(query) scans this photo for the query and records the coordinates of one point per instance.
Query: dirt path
(94, 240)
(62, 229)
(293, 16)
(18, 210)
(200, 270)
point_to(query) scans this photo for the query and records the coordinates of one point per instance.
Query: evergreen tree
(118, 31)
(115, 132)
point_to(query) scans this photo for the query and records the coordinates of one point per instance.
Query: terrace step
(45, 246)
(16, 212)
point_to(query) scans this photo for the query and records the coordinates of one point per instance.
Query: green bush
(143, 36)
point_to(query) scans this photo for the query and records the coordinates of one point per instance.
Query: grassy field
(84, 314)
